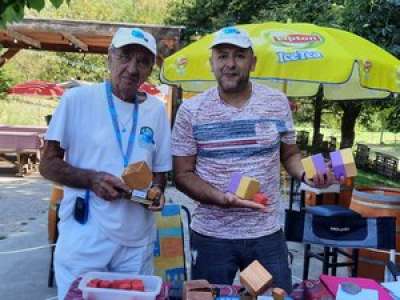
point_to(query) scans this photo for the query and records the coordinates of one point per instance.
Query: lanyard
(114, 118)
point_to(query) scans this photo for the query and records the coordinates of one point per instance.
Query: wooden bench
(386, 165)
(20, 146)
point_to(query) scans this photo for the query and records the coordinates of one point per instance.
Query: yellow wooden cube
(308, 166)
(351, 170)
(248, 187)
(347, 156)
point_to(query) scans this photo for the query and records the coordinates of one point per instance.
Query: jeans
(217, 260)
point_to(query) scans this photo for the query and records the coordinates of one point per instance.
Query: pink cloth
(332, 283)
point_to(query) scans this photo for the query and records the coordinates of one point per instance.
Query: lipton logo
(295, 40)
(180, 65)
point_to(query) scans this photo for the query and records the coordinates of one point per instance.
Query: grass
(25, 110)
(364, 178)
(365, 137)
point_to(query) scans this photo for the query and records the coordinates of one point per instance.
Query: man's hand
(322, 181)
(108, 186)
(231, 200)
(158, 198)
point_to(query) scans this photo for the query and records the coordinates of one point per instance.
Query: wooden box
(255, 278)
(137, 176)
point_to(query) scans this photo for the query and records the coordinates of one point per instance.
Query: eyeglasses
(142, 60)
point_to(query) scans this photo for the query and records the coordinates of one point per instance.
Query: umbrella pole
(317, 119)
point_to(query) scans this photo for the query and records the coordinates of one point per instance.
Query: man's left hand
(322, 181)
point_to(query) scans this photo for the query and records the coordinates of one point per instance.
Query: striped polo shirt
(227, 139)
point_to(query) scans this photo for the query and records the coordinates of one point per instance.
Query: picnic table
(20, 146)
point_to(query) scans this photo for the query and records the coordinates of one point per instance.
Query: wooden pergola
(78, 36)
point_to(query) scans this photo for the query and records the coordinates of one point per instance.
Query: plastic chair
(169, 250)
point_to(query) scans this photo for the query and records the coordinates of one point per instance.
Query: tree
(375, 20)
(13, 10)
(5, 83)
(203, 16)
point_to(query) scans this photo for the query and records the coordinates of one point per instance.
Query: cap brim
(237, 44)
(134, 42)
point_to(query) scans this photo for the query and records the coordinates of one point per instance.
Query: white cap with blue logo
(127, 36)
(233, 36)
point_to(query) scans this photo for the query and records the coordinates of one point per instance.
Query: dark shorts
(217, 260)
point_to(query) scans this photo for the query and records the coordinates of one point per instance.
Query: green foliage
(204, 16)
(56, 67)
(13, 10)
(5, 83)
(375, 20)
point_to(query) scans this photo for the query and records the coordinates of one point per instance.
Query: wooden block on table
(197, 290)
(137, 176)
(248, 187)
(255, 278)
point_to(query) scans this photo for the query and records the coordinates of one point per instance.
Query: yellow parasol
(298, 58)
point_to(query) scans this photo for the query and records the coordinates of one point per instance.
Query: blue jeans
(217, 260)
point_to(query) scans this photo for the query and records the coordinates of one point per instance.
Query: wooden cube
(137, 176)
(248, 187)
(343, 163)
(308, 167)
(313, 165)
(197, 290)
(255, 278)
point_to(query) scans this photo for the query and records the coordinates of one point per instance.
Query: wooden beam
(92, 27)
(23, 38)
(8, 55)
(74, 40)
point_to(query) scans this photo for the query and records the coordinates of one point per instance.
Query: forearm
(291, 160)
(60, 171)
(198, 189)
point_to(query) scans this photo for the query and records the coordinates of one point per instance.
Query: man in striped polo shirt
(238, 126)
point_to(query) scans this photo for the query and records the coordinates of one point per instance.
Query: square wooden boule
(137, 176)
(255, 278)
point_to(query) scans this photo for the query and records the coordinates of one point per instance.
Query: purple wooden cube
(319, 163)
(337, 164)
(234, 183)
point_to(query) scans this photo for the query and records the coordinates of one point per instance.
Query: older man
(95, 133)
(239, 126)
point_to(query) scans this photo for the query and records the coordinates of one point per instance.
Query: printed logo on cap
(139, 35)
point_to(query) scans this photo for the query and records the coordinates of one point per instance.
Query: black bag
(341, 231)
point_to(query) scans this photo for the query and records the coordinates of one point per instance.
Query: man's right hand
(108, 186)
(231, 200)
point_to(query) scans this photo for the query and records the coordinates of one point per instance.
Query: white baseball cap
(127, 36)
(233, 36)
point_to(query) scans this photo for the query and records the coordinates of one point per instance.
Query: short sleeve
(162, 161)
(183, 142)
(58, 129)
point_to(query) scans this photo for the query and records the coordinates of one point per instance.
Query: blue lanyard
(114, 117)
